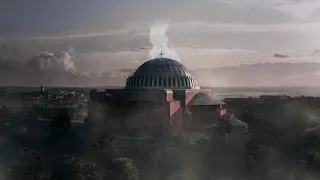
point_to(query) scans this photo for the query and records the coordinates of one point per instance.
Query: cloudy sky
(107, 34)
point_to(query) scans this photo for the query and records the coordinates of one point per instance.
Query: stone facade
(162, 112)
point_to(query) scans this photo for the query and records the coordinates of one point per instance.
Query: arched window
(134, 82)
(138, 80)
(146, 81)
(141, 81)
(188, 81)
(155, 82)
(164, 82)
(160, 82)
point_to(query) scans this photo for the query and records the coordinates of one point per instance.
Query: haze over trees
(282, 145)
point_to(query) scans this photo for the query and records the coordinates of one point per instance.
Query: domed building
(160, 99)
(161, 73)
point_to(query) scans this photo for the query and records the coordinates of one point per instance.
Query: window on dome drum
(155, 82)
(182, 82)
(150, 82)
(178, 82)
(134, 82)
(169, 82)
(164, 82)
(173, 82)
(146, 81)
(160, 82)
(137, 83)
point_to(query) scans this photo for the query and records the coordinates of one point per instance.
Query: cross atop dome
(161, 54)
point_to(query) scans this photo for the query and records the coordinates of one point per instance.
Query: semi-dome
(161, 73)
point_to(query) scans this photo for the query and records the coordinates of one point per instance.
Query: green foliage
(75, 169)
(123, 169)
(26, 165)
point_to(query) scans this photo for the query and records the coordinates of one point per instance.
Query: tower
(42, 89)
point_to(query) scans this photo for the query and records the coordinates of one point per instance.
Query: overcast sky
(209, 33)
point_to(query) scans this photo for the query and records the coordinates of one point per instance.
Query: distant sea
(220, 92)
(236, 92)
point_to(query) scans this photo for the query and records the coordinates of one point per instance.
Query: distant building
(275, 97)
(41, 89)
(161, 98)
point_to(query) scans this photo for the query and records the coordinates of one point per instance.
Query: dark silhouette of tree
(71, 168)
(123, 169)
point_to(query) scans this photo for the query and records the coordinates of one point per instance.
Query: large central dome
(161, 73)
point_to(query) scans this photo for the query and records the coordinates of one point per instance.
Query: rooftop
(161, 73)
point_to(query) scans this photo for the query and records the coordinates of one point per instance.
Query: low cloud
(209, 57)
(79, 35)
(51, 69)
(209, 27)
(208, 44)
(186, 27)
(192, 57)
(132, 29)
(301, 10)
(49, 61)
(45, 68)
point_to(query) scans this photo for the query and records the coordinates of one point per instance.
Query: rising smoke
(160, 42)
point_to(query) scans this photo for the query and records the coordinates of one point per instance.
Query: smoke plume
(160, 42)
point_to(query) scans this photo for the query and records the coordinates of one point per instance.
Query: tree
(26, 166)
(71, 168)
(123, 169)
